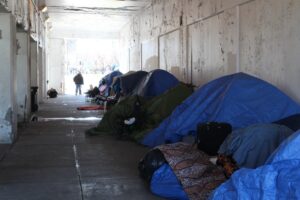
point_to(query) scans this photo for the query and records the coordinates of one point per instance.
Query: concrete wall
(199, 40)
(23, 76)
(56, 64)
(8, 107)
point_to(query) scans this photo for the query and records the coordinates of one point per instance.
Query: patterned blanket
(198, 176)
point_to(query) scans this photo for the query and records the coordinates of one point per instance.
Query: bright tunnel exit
(94, 58)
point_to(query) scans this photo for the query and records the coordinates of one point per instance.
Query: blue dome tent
(239, 99)
(156, 83)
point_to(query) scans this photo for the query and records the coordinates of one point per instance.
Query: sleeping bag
(239, 99)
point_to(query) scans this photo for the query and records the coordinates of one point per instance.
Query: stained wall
(8, 84)
(199, 40)
(23, 75)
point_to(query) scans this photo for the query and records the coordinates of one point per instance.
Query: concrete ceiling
(76, 18)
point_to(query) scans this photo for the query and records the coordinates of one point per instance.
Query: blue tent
(108, 80)
(279, 178)
(238, 99)
(156, 83)
(128, 82)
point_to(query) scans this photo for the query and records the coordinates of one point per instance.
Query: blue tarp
(279, 178)
(164, 183)
(250, 147)
(156, 83)
(238, 99)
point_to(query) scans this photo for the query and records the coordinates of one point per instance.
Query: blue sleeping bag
(238, 99)
(279, 178)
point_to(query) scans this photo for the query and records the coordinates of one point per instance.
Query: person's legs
(79, 89)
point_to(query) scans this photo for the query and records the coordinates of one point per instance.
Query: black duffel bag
(211, 135)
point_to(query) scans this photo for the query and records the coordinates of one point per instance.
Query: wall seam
(238, 30)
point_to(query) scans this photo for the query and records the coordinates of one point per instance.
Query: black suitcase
(211, 135)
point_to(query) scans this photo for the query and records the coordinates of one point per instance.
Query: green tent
(148, 113)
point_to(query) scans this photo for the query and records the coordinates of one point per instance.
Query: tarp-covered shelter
(156, 83)
(149, 114)
(238, 99)
(279, 178)
(108, 80)
(128, 82)
(250, 147)
(276, 178)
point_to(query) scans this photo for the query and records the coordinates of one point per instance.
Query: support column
(23, 76)
(8, 106)
(33, 63)
(33, 66)
(41, 77)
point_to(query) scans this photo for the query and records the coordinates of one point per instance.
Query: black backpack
(52, 93)
(211, 135)
(151, 162)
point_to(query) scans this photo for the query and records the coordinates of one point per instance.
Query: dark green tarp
(150, 113)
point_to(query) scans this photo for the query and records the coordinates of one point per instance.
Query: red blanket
(91, 108)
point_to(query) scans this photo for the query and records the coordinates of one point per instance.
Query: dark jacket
(78, 79)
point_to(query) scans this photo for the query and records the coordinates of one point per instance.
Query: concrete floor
(55, 160)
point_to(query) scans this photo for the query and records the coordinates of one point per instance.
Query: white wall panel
(150, 55)
(56, 64)
(170, 54)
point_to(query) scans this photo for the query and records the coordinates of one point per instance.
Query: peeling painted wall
(218, 37)
(213, 47)
(8, 107)
(23, 76)
(21, 13)
(270, 42)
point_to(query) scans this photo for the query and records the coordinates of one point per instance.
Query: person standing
(78, 80)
